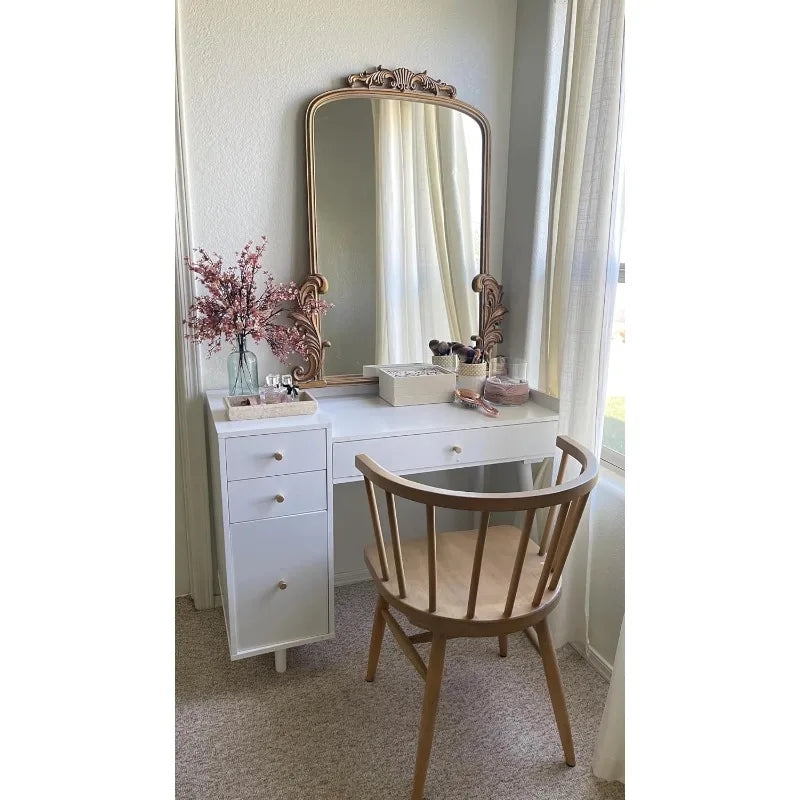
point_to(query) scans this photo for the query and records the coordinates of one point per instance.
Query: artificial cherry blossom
(233, 308)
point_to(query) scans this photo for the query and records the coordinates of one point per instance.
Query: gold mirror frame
(400, 83)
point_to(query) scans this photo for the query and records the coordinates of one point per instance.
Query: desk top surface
(367, 416)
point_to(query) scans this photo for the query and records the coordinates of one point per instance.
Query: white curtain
(609, 752)
(425, 254)
(583, 266)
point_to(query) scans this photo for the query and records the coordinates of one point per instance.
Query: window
(614, 419)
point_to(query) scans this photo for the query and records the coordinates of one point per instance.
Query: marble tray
(305, 404)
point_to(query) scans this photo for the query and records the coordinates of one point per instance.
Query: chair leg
(430, 704)
(378, 628)
(556, 689)
(503, 645)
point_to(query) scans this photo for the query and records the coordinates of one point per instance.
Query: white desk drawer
(293, 550)
(259, 498)
(422, 452)
(275, 454)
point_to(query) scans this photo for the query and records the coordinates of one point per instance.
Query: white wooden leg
(280, 660)
(525, 476)
(533, 476)
(479, 485)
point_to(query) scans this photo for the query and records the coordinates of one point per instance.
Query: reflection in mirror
(398, 209)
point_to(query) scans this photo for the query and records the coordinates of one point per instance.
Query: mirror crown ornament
(403, 80)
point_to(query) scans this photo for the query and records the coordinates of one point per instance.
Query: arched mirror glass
(398, 188)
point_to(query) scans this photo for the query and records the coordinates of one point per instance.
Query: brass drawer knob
(280, 498)
(456, 448)
(279, 456)
(282, 585)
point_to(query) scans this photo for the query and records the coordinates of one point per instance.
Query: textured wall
(249, 69)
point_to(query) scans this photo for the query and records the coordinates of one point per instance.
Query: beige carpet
(320, 731)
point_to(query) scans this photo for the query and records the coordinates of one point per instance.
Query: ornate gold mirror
(398, 211)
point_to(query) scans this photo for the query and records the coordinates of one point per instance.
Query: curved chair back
(564, 502)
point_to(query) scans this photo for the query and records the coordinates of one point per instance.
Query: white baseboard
(598, 662)
(217, 599)
(594, 658)
(355, 576)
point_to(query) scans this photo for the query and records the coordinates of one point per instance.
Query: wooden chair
(485, 582)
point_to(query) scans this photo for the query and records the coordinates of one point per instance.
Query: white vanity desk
(272, 488)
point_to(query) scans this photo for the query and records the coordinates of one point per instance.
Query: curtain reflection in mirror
(428, 184)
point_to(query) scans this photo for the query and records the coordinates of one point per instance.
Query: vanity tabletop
(368, 417)
(215, 399)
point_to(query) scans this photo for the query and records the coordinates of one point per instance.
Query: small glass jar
(498, 366)
(517, 369)
(507, 383)
(272, 394)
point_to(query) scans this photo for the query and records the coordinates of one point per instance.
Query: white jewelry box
(415, 384)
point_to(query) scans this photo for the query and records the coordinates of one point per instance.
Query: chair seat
(455, 552)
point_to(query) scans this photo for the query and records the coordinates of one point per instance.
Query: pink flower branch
(232, 306)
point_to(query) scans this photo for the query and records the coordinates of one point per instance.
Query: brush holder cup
(448, 362)
(471, 376)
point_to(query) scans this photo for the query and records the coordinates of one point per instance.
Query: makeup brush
(439, 348)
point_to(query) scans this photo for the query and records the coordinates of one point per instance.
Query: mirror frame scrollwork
(400, 83)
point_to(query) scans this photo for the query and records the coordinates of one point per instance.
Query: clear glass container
(242, 370)
(507, 383)
(517, 369)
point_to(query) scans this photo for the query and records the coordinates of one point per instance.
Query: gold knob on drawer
(279, 456)
(456, 448)
(280, 498)
(282, 585)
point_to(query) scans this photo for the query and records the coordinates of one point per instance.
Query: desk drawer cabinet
(278, 496)
(281, 569)
(275, 454)
(446, 449)
(273, 535)
(272, 490)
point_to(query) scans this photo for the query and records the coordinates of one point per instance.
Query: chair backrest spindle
(430, 514)
(550, 557)
(562, 468)
(398, 553)
(551, 552)
(376, 527)
(476, 564)
(568, 535)
(519, 561)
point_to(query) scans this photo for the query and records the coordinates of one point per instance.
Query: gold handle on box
(282, 585)
(280, 498)
(279, 456)
(456, 448)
